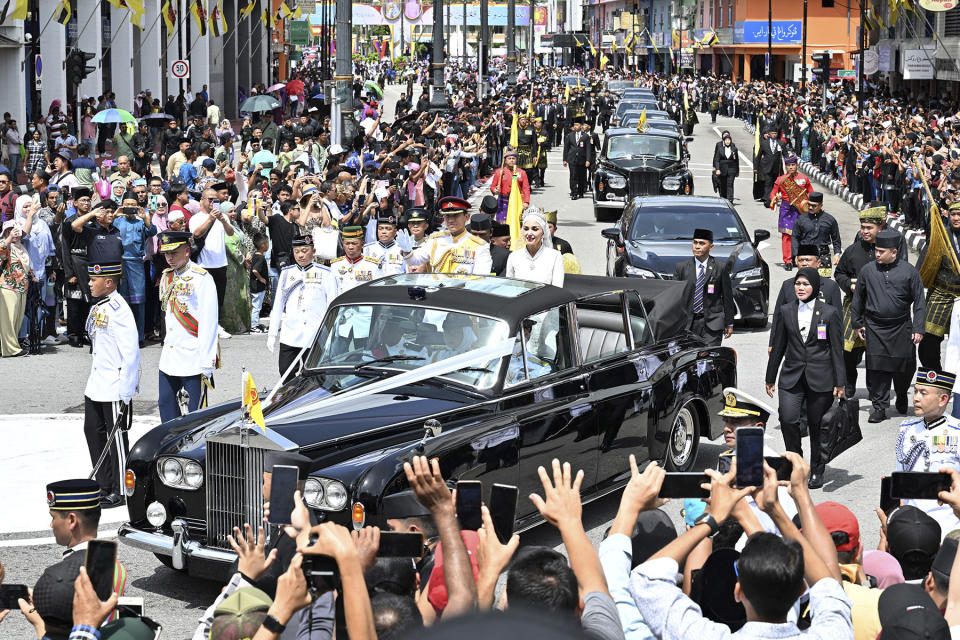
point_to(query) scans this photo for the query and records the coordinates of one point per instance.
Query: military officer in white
(930, 441)
(354, 268)
(453, 250)
(304, 292)
(386, 250)
(188, 297)
(114, 373)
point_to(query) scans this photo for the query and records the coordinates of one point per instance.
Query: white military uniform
(390, 258)
(114, 379)
(350, 273)
(115, 370)
(189, 300)
(303, 295)
(923, 446)
(465, 253)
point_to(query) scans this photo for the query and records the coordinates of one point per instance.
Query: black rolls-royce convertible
(494, 377)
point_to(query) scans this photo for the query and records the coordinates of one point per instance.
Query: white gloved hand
(271, 343)
(126, 400)
(405, 241)
(207, 373)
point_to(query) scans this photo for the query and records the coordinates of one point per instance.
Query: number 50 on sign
(180, 69)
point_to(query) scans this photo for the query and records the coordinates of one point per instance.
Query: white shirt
(545, 266)
(302, 298)
(214, 252)
(805, 317)
(115, 369)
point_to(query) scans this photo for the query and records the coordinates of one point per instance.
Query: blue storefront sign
(756, 32)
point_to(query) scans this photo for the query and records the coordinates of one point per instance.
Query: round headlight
(193, 474)
(172, 471)
(616, 182)
(313, 492)
(156, 514)
(336, 496)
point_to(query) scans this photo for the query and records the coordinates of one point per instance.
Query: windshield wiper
(479, 369)
(368, 363)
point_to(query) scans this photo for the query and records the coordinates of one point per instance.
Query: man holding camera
(211, 227)
(930, 440)
(135, 228)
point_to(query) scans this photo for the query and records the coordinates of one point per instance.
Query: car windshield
(614, 85)
(678, 223)
(398, 337)
(641, 145)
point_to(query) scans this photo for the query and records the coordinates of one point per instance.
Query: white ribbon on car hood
(443, 367)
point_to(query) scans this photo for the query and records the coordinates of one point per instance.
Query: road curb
(916, 240)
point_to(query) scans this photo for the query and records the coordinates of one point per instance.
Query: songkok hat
(888, 239)
(935, 378)
(703, 234)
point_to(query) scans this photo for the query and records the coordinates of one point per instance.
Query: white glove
(126, 400)
(405, 241)
(271, 343)
(207, 373)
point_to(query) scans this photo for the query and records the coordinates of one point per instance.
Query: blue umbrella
(113, 116)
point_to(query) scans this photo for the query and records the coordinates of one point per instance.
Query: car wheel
(167, 561)
(683, 441)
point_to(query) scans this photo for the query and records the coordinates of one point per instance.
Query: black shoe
(22, 352)
(816, 479)
(75, 342)
(877, 415)
(901, 405)
(111, 500)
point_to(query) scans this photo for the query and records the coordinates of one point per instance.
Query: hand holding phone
(100, 564)
(918, 485)
(283, 484)
(10, 593)
(468, 504)
(685, 485)
(400, 545)
(503, 510)
(749, 457)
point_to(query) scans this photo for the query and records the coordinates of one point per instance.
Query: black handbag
(839, 429)
(715, 179)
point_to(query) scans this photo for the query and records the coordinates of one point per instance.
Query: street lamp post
(533, 8)
(482, 50)
(437, 98)
(511, 42)
(343, 75)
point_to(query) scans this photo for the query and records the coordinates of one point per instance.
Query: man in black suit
(561, 120)
(481, 225)
(709, 290)
(578, 157)
(769, 120)
(548, 112)
(726, 165)
(769, 162)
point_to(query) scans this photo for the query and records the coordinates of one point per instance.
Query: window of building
(827, 4)
(951, 22)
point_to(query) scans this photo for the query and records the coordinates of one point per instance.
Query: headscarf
(535, 215)
(813, 277)
(18, 214)
(882, 566)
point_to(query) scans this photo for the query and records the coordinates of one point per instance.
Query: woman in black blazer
(726, 166)
(808, 340)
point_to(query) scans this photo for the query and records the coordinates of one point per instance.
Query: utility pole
(343, 75)
(533, 4)
(803, 55)
(863, 47)
(437, 98)
(464, 55)
(482, 50)
(769, 64)
(511, 42)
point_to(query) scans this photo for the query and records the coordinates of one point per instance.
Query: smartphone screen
(100, 563)
(468, 504)
(750, 457)
(153, 201)
(887, 502)
(503, 510)
(685, 485)
(918, 484)
(129, 211)
(400, 545)
(781, 465)
(129, 607)
(10, 593)
(283, 483)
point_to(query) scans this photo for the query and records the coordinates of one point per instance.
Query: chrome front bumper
(178, 546)
(609, 204)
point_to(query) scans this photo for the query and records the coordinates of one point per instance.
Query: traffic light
(821, 67)
(77, 68)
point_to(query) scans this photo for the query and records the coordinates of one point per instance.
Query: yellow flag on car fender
(251, 401)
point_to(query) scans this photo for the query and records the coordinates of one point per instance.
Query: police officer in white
(114, 373)
(188, 297)
(386, 250)
(304, 292)
(454, 249)
(354, 268)
(930, 441)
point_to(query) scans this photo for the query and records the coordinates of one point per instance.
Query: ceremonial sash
(796, 195)
(179, 310)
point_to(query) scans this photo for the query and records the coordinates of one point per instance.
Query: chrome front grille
(644, 183)
(234, 489)
(196, 528)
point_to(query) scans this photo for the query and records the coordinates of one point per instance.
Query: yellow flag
(756, 139)
(593, 50)
(285, 10)
(566, 93)
(251, 401)
(169, 17)
(909, 6)
(298, 13)
(894, 11)
(603, 60)
(642, 125)
(514, 133)
(879, 20)
(199, 16)
(247, 10)
(13, 10)
(514, 211)
(63, 12)
(265, 17)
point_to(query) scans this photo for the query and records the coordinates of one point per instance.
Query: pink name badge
(821, 332)
(709, 288)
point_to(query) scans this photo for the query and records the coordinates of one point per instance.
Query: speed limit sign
(180, 69)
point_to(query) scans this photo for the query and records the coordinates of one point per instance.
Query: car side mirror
(431, 429)
(612, 233)
(760, 235)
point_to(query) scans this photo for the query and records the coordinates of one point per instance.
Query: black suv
(639, 163)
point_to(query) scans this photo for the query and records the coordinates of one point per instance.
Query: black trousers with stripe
(98, 421)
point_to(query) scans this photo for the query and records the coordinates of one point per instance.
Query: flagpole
(50, 19)
(144, 37)
(95, 12)
(232, 33)
(114, 38)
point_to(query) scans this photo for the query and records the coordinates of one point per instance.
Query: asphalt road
(53, 385)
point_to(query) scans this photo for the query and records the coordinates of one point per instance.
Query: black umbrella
(156, 119)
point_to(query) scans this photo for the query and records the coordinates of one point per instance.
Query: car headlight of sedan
(616, 182)
(671, 183)
(639, 272)
(325, 494)
(749, 276)
(180, 473)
